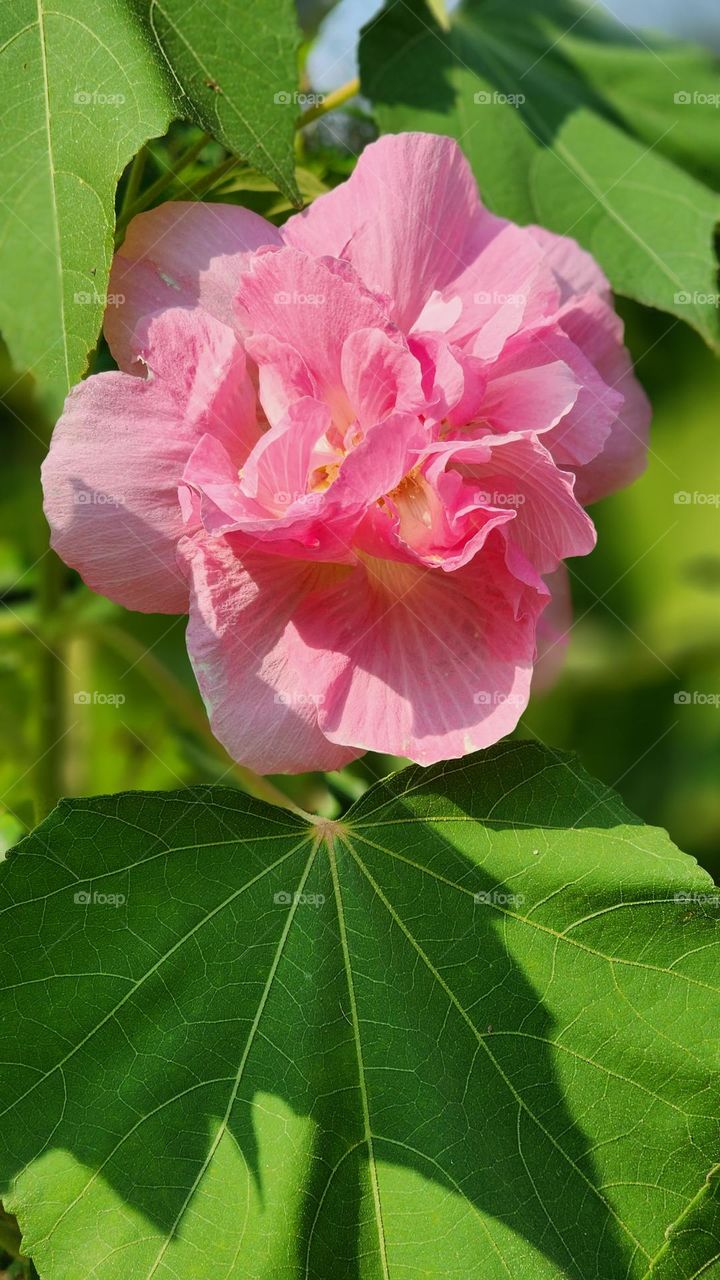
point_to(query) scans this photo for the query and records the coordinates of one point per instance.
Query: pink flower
(356, 450)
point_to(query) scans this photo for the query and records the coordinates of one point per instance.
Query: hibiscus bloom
(357, 450)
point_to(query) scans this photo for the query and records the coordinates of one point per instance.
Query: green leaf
(237, 66)
(569, 120)
(81, 94)
(468, 1030)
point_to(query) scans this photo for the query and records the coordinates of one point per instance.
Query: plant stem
(330, 102)
(165, 180)
(204, 184)
(135, 177)
(51, 688)
(132, 204)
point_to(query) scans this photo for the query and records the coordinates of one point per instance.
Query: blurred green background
(647, 604)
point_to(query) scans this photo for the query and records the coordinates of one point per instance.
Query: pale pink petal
(409, 219)
(243, 646)
(204, 364)
(110, 482)
(422, 664)
(597, 331)
(180, 254)
(576, 270)
(507, 285)
(529, 390)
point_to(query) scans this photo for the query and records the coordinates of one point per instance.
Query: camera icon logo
(682, 697)
(283, 898)
(283, 98)
(682, 97)
(82, 897)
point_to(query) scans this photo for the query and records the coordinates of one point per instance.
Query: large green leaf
(468, 1030)
(237, 64)
(82, 92)
(568, 120)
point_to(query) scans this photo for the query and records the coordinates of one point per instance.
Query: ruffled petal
(409, 219)
(262, 701)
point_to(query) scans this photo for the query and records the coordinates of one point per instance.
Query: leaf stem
(330, 102)
(204, 184)
(165, 180)
(134, 204)
(134, 181)
(51, 688)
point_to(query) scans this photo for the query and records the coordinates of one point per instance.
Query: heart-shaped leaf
(467, 1030)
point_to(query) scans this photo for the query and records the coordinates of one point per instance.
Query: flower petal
(180, 254)
(424, 664)
(408, 219)
(110, 482)
(243, 646)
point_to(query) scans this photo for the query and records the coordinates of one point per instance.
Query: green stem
(134, 181)
(131, 650)
(204, 184)
(161, 184)
(51, 688)
(330, 102)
